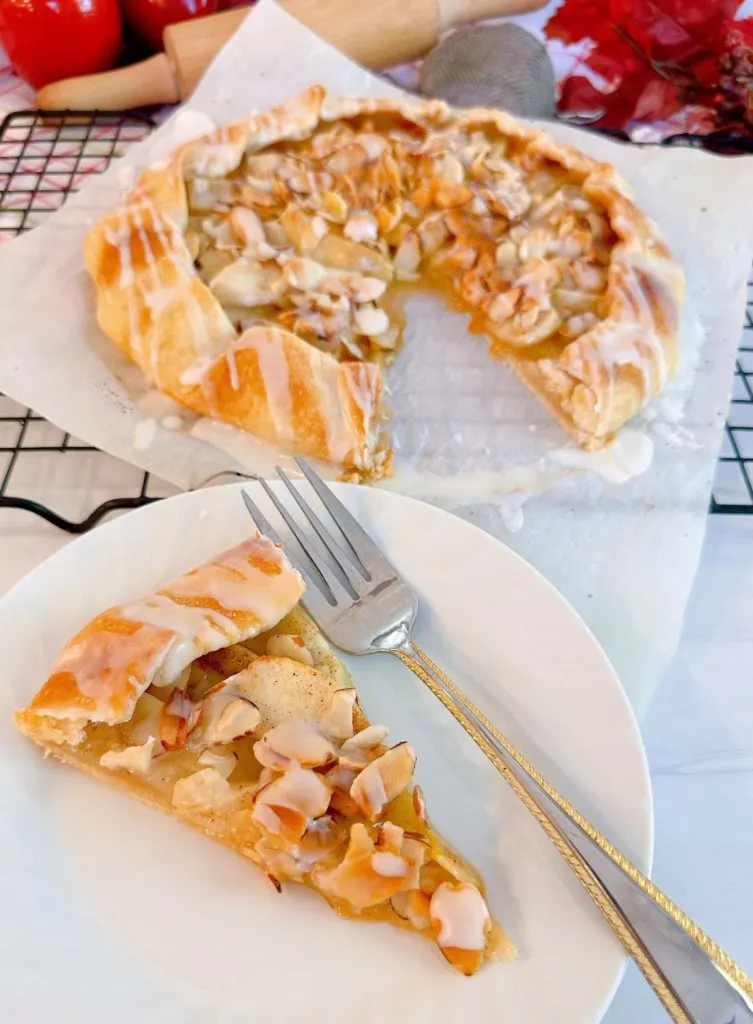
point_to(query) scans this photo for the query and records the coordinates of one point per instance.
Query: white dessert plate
(112, 912)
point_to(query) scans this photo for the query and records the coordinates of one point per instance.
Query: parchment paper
(619, 534)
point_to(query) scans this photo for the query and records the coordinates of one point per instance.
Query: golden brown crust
(152, 305)
(104, 669)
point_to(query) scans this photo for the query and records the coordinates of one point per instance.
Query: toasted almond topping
(506, 254)
(371, 321)
(298, 740)
(334, 207)
(355, 880)
(414, 852)
(347, 159)
(269, 758)
(461, 922)
(304, 274)
(407, 257)
(131, 759)
(203, 791)
(180, 716)
(285, 806)
(382, 780)
(373, 145)
(367, 739)
(390, 865)
(413, 906)
(366, 289)
(247, 226)
(228, 716)
(419, 804)
(361, 227)
(247, 283)
(288, 645)
(223, 764)
(343, 254)
(338, 721)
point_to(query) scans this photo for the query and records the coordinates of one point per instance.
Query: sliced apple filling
(318, 797)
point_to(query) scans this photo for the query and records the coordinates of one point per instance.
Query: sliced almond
(361, 227)
(334, 208)
(205, 790)
(337, 722)
(461, 923)
(347, 159)
(223, 764)
(269, 758)
(341, 777)
(408, 257)
(131, 759)
(287, 645)
(179, 718)
(285, 806)
(304, 232)
(588, 276)
(304, 274)
(419, 805)
(247, 226)
(367, 739)
(389, 215)
(367, 876)
(343, 254)
(414, 851)
(371, 321)
(506, 254)
(382, 780)
(373, 145)
(413, 906)
(298, 740)
(247, 283)
(228, 716)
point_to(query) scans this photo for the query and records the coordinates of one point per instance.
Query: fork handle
(676, 957)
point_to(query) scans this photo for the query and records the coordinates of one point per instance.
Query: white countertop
(698, 731)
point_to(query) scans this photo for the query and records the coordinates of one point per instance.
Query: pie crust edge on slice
(217, 700)
(277, 385)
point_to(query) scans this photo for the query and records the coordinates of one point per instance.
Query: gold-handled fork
(364, 607)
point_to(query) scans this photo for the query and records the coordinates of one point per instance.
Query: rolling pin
(375, 33)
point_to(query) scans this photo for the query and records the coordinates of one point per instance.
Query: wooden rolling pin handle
(457, 12)
(140, 85)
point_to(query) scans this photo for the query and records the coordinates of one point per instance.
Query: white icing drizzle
(235, 584)
(120, 239)
(144, 433)
(339, 436)
(232, 367)
(197, 630)
(356, 384)
(269, 346)
(627, 456)
(153, 354)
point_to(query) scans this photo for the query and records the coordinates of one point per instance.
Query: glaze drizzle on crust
(252, 277)
(106, 667)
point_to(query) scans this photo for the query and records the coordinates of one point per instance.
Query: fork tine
(368, 554)
(343, 559)
(263, 525)
(315, 553)
(304, 564)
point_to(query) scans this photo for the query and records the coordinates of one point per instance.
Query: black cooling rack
(46, 156)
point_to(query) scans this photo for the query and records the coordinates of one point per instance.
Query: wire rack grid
(44, 157)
